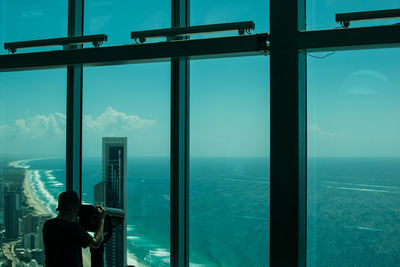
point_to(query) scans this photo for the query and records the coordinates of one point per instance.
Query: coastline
(30, 200)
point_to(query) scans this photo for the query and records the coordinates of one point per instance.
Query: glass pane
(133, 103)
(32, 159)
(118, 20)
(23, 20)
(223, 11)
(353, 159)
(321, 13)
(229, 162)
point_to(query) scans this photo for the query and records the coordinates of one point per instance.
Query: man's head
(68, 202)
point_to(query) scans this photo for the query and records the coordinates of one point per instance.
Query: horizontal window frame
(248, 45)
(378, 37)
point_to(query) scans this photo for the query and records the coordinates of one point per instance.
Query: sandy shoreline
(30, 200)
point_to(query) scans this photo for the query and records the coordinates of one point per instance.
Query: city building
(113, 188)
(99, 193)
(30, 241)
(29, 224)
(2, 190)
(11, 215)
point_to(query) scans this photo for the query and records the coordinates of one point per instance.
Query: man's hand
(102, 212)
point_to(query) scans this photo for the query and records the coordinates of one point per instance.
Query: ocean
(353, 208)
(353, 213)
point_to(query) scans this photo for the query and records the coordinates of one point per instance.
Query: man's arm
(98, 236)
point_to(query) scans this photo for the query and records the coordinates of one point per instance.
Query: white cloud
(110, 122)
(314, 128)
(40, 125)
(113, 122)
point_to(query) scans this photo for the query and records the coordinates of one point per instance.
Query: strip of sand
(30, 200)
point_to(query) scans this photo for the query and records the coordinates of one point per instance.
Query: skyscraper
(114, 186)
(30, 241)
(11, 215)
(99, 193)
(29, 224)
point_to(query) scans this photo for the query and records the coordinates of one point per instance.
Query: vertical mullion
(302, 135)
(179, 145)
(288, 135)
(74, 104)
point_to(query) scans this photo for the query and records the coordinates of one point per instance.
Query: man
(64, 237)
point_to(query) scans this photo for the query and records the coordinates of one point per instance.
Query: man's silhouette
(64, 237)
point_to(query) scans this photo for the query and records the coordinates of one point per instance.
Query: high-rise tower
(114, 185)
(11, 215)
(99, 193)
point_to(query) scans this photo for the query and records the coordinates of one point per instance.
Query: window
(229, 162)
(118, 20)
(32, 157)
(131, 103)
(214, 163)
(353, 164)
(32, 20)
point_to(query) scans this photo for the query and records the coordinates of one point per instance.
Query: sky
(352, 96)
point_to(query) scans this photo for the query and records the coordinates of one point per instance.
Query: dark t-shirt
(63, 241)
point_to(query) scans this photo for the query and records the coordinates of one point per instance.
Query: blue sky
(352, 96)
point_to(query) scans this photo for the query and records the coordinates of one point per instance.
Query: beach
(30, 200)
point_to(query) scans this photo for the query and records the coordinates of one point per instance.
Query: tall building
(30, 241)
(11, 215)
(2, 190)
(99, 193)
(114, 186)
(29, 224)
(7, 187)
